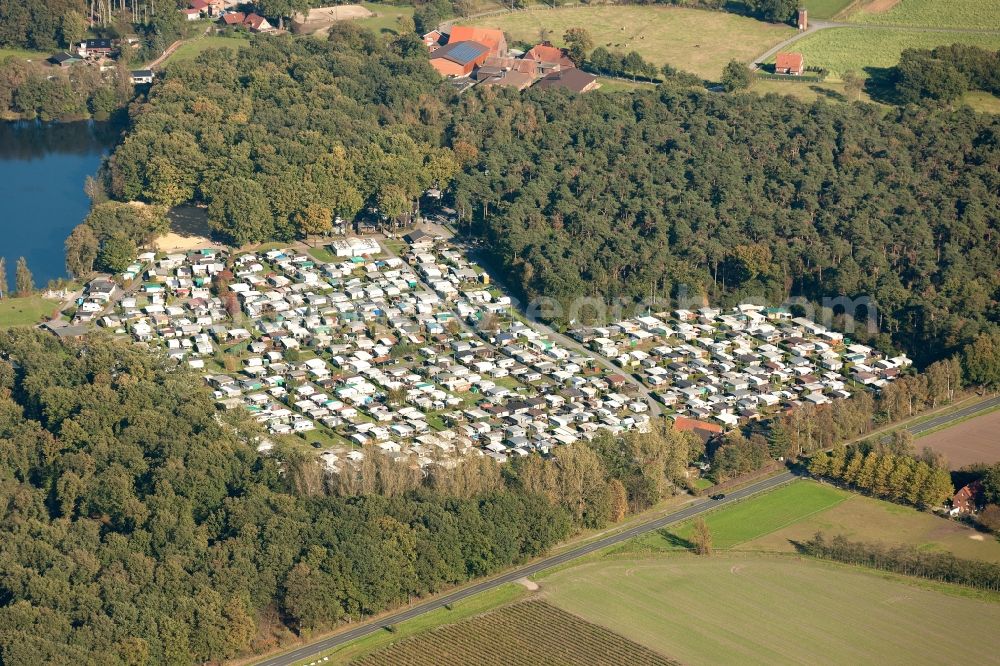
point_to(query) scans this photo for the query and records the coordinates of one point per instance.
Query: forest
(738, 196)
(141, 526)
(345, 125)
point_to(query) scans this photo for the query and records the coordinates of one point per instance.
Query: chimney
(803, 19)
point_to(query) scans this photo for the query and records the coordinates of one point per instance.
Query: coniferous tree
(24, 283)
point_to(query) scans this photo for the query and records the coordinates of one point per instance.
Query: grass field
(617, 85)
(25, 311)
(386, 17)
(462, 610)
(697, 41)
(23, 53)
(530, 632)
(982, 101)
(862, 518)
(825, 9)
(771, 609)
(850, 49)
(968, 442)
(190, 50)
(807, 92)
(749, 519)
(980, 14)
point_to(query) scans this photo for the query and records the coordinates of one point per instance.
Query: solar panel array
(466, 52)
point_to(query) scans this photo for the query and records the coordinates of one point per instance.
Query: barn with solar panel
(459, 58)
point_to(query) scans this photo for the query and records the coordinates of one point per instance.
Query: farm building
(459, 58)
(572, 79)
(492, 38)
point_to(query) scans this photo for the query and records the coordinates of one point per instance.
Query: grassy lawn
(806, 92)
(825, 9)
(862, 518)
(461, 610)
(749, 519)
(385, 19)
(694, 40)
(192, 49)
(322, 254)
(847, 49)
(982, 101)
(26, 54)
(25, 311)
(755, 609)
(617, 85)
(983, 14)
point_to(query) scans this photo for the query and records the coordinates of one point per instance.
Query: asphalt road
(698, 507)
(965, 412)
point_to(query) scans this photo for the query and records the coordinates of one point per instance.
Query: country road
(815, 25)
(697, 507)
(966, 412)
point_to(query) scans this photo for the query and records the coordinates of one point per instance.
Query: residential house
(790, 63)
(968, 499)
(141, 76)
(548, 58)
(95, 48)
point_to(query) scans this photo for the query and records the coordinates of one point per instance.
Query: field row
(530, 632)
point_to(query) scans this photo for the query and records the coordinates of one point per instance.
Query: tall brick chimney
(803, 19)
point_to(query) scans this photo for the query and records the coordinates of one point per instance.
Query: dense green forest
(42, 24)
(141, 526)
(286, 124)
(739, 195)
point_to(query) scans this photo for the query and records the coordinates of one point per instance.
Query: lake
(43, 167)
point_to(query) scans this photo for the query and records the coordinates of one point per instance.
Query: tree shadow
(881, 85)
(675, 541)
(828, 93)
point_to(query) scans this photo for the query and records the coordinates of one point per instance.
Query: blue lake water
(42, 172)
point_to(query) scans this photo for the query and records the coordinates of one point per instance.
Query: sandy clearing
(321, 18)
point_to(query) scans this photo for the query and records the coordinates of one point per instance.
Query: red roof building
(572, 79)
(968, 499)
(459, 58)
(549, 58)
(703, 429)
(790, 63)
(492, 38)
(434, 40)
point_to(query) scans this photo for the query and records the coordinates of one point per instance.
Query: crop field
(861, 518)
(698, 41)
(968, 442)
(979, 14)
(749, 519)
(771, 609)
(530, 632)
(852, 49)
